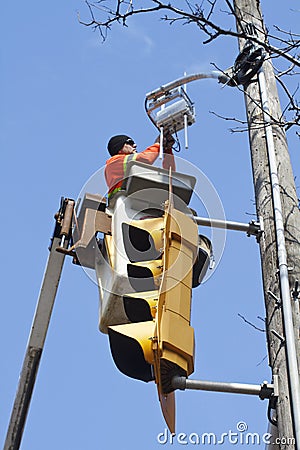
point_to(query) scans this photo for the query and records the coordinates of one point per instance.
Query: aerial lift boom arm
(40, 325)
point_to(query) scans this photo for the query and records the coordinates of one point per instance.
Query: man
(123, 149)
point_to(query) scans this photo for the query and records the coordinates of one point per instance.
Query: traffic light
(131, 348)
(158, 344)
(131, 344)
(143, 243)
(174, 335)
(141, 306)
(143, 239)
(202, 261)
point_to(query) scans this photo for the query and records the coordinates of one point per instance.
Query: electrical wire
(271, 419)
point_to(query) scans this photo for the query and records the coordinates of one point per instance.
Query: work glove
(168, 141)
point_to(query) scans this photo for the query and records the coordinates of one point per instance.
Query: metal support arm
(252, 228)
(264, 390)
(220, 76)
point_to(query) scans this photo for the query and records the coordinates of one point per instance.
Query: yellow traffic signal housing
(131, 348)
(148, 268)
(143, 239)
(146, 275)
(131, 344)
(143, 243)
(175, 336)
(160, 344)
(141, 306)
(202, 261)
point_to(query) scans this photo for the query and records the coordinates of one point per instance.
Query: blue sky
(64, 94)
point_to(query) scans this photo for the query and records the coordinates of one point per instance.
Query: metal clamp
(256, 229)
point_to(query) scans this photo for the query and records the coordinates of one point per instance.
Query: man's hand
(168, 140)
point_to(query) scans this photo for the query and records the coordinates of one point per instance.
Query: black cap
(116, 143)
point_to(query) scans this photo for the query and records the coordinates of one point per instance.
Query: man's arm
(149, 155)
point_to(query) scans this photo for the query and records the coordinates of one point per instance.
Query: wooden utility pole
(248, 12)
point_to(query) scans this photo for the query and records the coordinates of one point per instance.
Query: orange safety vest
(116, 166)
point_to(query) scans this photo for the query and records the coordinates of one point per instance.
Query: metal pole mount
(252, 228)
(263, 391)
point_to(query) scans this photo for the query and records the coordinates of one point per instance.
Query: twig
(252, 325)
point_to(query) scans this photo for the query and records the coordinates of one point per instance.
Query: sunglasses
(130, 142)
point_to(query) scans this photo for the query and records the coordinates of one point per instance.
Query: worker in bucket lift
(123, 149)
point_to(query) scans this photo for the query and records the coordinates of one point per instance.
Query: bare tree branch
(281, 44)
(194, 14)
(252, 325)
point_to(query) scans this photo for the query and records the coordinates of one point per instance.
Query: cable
(248, 62)
(177, 149)
(271, 406)
(149, 115)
